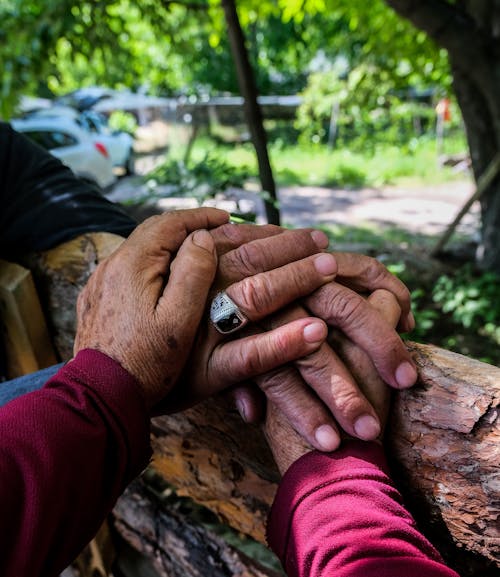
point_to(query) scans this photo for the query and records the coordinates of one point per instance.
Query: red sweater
(68, 450)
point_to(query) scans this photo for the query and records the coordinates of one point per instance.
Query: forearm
(338, 514)
(67, 452)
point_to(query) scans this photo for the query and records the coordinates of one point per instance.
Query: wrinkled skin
(246, 250)
(286, 444)
(143, 306)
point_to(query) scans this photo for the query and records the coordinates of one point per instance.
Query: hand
(217, 362)
(286, 444)
(296, 390)
(143, 304)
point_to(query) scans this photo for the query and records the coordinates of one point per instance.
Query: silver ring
(225, 314)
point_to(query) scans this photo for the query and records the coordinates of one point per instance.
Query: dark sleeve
(43, 203)
(67, 452)
(338, 515)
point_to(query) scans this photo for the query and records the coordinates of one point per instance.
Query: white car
(87, 157)
(120, 145)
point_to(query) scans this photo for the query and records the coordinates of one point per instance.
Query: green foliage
(471, 298)
(458, 310)
(54, 47)
(203, 180)
(123, 121)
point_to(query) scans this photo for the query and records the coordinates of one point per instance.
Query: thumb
(191, 275)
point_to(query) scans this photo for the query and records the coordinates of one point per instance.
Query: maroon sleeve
(67, 452)
(338, 514)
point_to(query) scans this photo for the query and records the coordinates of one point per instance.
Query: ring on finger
(225, 314)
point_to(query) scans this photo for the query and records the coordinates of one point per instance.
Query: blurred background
(375, 122)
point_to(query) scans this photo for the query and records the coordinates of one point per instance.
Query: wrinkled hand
(246, 252)
(286, 444)
(217, 362)
(143, 304)
(295, 389)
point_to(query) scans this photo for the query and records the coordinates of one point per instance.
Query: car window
(52, 139)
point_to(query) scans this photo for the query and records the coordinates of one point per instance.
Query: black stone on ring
(225, 314)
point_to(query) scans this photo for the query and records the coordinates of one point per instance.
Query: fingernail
(406, 375)
(242, 409)
(315, 332)
(411, 321)
(319, 238)
(367, 428)
(327, 438)
(203, 239)
(325, 264)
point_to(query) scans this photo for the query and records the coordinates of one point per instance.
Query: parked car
(87, 157)
(120, 145)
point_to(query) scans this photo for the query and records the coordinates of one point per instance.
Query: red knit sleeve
(67, 452)
(339, 515)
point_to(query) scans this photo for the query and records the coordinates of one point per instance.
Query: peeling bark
(444, 440)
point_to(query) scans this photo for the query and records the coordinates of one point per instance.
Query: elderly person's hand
(246, 250)
(286, 444)
(142, 306)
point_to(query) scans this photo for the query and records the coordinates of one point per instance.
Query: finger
(184, 297)
(231, 236)
(375, 390)
(259, 295)
(335, 385)
(165, 233)
(304, 411)
(363, 273)
(243, 359)
(343, 308)
(249, 401)
(268, 253)
(386, 304)
(326, 374)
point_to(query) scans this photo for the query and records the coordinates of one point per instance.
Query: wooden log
(60, 274)
(27, 342)
(176, 544)
(443, 439)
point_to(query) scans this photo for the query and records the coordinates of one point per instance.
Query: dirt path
(422, 209)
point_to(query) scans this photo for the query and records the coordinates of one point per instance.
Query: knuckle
(227, 234)
(278, 384)
(347, 307)
(254, 294)
(250, 361)
(375, 272)
(247, 259)
(348, 400)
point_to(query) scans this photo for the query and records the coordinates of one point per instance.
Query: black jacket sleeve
(42, 203)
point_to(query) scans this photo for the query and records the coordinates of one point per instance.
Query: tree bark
(444, 438)
(165, 532)
(253, 113)
(469, 31)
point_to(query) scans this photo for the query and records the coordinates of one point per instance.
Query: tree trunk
(253, 113)
(170, 534)
(444, 439)
(469, 31)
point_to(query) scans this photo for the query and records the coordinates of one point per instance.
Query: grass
(317, 165)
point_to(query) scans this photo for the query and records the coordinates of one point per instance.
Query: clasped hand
(144, 307)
